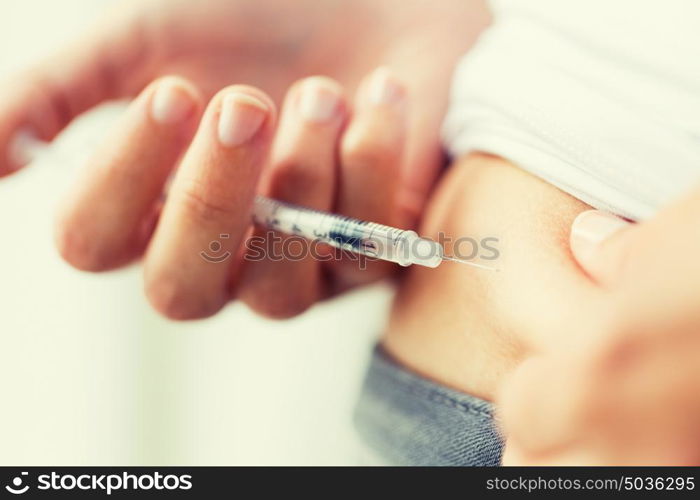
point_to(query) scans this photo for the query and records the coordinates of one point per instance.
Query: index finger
(209, 202)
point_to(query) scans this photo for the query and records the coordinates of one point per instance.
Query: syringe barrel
(403, 247)
(368, 238)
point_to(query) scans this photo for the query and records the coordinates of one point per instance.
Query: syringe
(375, 240)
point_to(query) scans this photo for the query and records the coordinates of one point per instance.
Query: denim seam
(447, 401)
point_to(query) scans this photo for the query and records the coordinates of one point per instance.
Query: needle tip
(469, 263)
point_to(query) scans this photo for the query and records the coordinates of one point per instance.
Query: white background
(89, 375)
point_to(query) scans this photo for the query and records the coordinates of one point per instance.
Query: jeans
(409, 420)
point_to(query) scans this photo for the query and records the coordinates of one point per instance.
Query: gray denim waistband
(410, 420)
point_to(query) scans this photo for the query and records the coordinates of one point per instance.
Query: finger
(105, 221)
(661, 269)
(207, 213)
(653, 263)
(542, 406)
(302, 171)
(106, 63)
(599, 243)
(372, 149)
(371, 155)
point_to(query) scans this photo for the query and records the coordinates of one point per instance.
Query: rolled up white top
(600, 98)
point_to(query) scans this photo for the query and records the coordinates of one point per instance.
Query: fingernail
(171, 102)
(241, 117)
(591, 228)
(319, 102)
(384, 88)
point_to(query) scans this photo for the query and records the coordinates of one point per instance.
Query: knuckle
(172, 300)
(204, 206)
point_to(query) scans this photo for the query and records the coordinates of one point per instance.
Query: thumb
(600, 242)
(41, 101)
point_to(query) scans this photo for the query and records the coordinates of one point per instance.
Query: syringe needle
(469, 263)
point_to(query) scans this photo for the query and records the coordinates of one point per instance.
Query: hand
(267, 43)
(193, 241)
(388, 152)
(622, 388)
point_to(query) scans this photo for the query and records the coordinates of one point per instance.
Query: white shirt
(599, 97)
